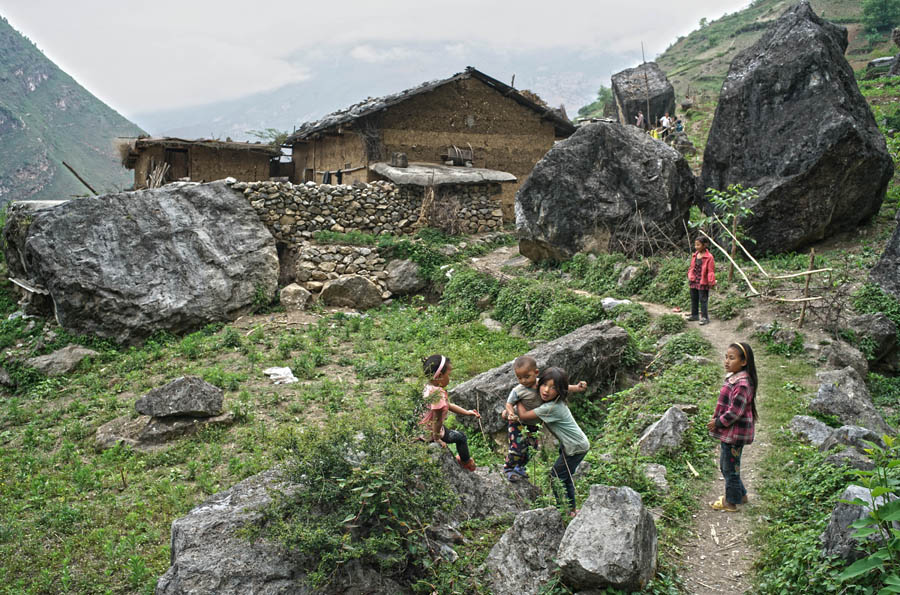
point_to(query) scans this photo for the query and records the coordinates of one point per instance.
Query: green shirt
(560, 421)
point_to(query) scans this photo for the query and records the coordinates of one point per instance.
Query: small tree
(880, 15)
(273, 136)
(731, 204)
(597, 107)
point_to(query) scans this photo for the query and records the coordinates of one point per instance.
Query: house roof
(135, 147)
(372, 105)
(433, 174)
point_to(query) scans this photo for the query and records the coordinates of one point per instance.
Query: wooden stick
(744, 250)
(80, 179)
(809, 272)
(693, 471)
(812, 260)
(739, 269)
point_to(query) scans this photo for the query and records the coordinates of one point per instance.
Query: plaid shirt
(734, 416)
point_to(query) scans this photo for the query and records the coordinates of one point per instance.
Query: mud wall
(206, 164)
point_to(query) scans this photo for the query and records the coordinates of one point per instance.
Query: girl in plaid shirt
(734, 422)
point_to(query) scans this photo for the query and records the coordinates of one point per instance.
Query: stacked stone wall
(318, 263)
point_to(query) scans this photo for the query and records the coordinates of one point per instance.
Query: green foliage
(463, 292)
(687, 343)
(782, 341)
(597, 274)
(350, 238)
(877, 530)
(543, 309)
(871, 299)
(365, 493)
(729, 306)
(596, 108)
(730, 205)
(880, 15)
(669, 285)
(272, 136)
(669, 324)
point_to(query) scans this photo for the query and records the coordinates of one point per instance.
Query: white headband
(440, 368)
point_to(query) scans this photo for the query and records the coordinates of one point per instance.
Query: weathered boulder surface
(187, 395)
(600, 190)
(351, 291)
(853, 436)
(813, 430)
(404, 277)
(792, 123)
(522, 561)
(844, 394)
(837, 538)
(146, 433)
(886, 272)
(895, 67)
(879, 330)
(656, 473)
(592, 353)
(667, 433)
(841, 354)
(633, 87)
(850, 457)
(123, 266)
(612, 542)
(294, 297)
(62, 361)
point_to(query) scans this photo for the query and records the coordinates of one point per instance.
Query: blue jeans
(562, 470)
(730, 465)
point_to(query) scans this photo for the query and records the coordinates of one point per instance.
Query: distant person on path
(639, 120)
(679, 125)
(437, 368)
(734, 422)
(526, 392)
(665, 122)
(553, 386)
(701, 278)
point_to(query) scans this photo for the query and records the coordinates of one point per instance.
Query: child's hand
(514, 418)
(711, 425)
(582, 385)
(475, 413)
(441, 443)
(505, 415)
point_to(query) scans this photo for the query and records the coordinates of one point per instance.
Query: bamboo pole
(80, 179)
(812, 260)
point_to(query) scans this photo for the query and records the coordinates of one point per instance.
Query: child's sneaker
(704, 321)
(512, 476)
(692, 318)
(520, 470)
(468, 465)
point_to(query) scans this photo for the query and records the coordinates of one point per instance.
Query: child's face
(548, 390)
(734, 360)
(698, 246)
(443, 378)
(527, 376)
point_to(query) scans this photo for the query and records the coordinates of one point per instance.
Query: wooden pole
(647, 88)
(812, 260)
(733, 249)
(80, 179)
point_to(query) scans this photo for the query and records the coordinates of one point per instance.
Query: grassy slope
(46, 118)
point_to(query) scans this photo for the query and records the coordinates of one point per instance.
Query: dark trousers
(517, 455)
(562, 470)
(699, 297)
(730, 465)
(462, 445)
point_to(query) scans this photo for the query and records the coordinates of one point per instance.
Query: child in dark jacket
(701, 278)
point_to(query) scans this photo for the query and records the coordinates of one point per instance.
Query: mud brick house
(504, 129)
(201, 160)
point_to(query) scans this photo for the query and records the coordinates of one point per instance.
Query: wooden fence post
(812, 259)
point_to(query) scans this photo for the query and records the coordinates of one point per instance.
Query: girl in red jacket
(701, 278)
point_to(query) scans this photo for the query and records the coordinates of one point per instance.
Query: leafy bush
(462, 293)
(364, 493)
(669, 285)
(781, 341)
(596, 274)
(729, 306)
(669, 324)
(565, 317)
(545, 310)
(351, 238)
(870, 299)
(687, 343)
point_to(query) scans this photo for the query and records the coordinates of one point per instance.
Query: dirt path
(718, 558)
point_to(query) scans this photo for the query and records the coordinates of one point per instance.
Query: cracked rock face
(792, 123)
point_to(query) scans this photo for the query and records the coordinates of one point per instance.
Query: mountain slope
(47, 118)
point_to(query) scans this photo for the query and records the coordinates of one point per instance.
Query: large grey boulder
(187, 395)
(523, 560)
(879, 330)
(404, 277)
(665, 434)
(840, 355)
(612, 542)
(837, 538)
(844, 394)
(608, 187)
(634, 87)
(351, 291)
(62, 361)
(886, 272)
(895, 66)
(792, 123)
(592, 353)
(852, 436)
(150, 433)
(811, 429)
(124, 266)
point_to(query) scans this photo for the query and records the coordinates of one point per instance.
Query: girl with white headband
(437, 368)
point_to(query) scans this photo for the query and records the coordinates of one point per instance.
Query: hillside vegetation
(47, 118)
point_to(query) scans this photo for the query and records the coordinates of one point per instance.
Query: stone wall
(316, 263)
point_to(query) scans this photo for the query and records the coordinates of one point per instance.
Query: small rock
(187, 395)
(62, 361)
(813, 430)
(294, 297)
(666, 434)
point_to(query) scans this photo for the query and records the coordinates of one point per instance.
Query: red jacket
(707, 269)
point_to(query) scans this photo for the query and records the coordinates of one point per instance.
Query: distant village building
(469, 119)
(200, 160)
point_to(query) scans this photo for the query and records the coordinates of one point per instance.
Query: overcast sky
(145, 56)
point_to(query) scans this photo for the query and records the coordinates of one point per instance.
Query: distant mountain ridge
(46, 118)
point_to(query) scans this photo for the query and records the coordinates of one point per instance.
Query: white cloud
(373, 55)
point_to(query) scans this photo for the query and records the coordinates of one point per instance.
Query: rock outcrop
(634, 87)
(844, 394)
(187, 395)
(811, 429)
(123, 266)
(792, 123)
(837, 539)
(592, 353)
(523, 560)
(351, 291)
(608, 187)
(666, 434)
(840, 355)
(404, 277)
(62, 361)
(612, 542)
(880, 332)
(886, 272)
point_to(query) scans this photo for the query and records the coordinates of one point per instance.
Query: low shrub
(545, 310)
(463, 292)
(871, 299)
